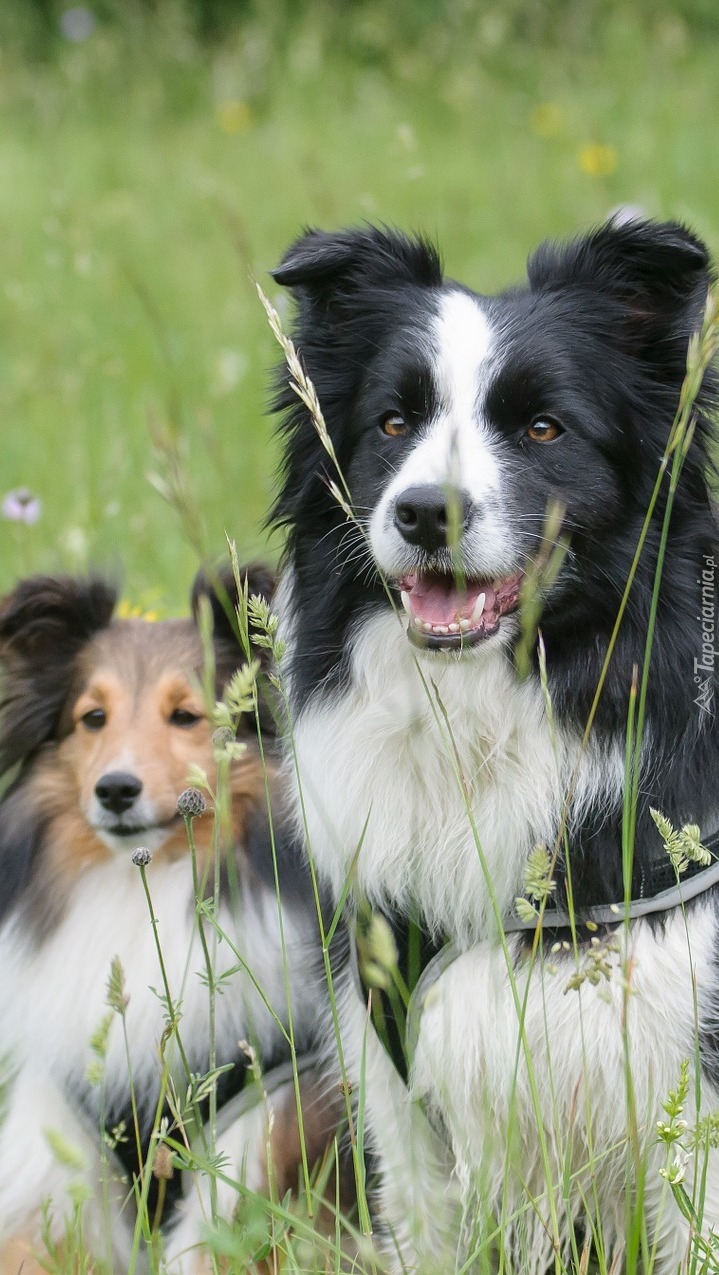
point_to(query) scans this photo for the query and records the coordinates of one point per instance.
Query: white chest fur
(53, 995)
(449, 763)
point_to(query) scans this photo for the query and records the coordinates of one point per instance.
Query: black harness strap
(657, 888)
(391, 954)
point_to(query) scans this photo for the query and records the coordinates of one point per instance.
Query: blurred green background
(155, 155)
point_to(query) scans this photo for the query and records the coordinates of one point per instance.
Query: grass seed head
(117, 998)
(163, 1167)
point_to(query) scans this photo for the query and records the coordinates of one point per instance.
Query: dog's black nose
(423, 515)
(117, 791)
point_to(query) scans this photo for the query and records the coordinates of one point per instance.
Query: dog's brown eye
(544, 430)
(394, 425)
(95, 719)
(183, 717)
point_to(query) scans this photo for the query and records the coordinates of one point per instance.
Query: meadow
(149, 174)
(147, 177)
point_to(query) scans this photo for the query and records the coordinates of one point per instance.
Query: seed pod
(191, 803)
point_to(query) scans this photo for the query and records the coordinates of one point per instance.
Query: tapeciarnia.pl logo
(704, 667)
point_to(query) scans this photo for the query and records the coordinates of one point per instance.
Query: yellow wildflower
(597, 159)
(129, 611)
(234, 117)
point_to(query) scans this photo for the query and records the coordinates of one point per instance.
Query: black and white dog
(535, 1082)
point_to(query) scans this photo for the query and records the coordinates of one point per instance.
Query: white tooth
(428, 628)
(477, 609)
(454, 628)
(441, 628)
(405, 602)
(464, 625)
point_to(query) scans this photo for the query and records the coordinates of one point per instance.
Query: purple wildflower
(77, 24)
(21, 506)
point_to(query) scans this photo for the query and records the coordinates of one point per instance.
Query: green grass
(130, 218)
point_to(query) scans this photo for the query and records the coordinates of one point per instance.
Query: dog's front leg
(417, 1209)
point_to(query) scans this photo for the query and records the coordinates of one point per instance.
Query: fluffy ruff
(459, 421)
(102, 718)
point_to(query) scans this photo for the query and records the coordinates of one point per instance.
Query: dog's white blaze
(108, 916)
(464, 342)
(456, 448)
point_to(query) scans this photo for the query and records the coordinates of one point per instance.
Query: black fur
(22, 835)
(44, 624)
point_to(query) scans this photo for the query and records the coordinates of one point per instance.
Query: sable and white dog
(535, 1082)
(101, 719)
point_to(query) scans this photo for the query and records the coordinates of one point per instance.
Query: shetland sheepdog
(510, 457)
(102, 719)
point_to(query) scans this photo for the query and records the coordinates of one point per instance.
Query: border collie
(431, 769)
(102, 718)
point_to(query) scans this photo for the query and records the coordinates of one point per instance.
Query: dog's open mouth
(446, 613)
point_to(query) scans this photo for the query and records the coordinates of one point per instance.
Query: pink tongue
(437, 601)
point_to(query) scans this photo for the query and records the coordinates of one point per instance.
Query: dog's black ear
(219, 587)
(50, 615)
(44, 623)
(332, 266)
(349, 290)
(656, 269)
